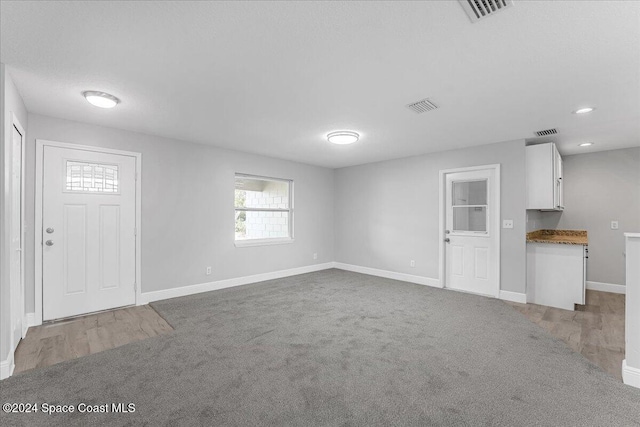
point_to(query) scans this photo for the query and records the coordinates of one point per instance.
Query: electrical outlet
(412, 263)
(614, 225)
(507, 223)
(315, 256)
(208, 271)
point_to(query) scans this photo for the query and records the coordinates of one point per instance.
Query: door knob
(447, 240)
(49, 243)
(50, 230)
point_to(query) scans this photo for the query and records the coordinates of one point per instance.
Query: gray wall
(599, 188)
(187, 206)
(11, 103)
(387, 212)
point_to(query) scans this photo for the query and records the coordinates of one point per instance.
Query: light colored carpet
(335, 348)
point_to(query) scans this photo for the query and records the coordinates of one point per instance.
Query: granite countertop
(563, 237)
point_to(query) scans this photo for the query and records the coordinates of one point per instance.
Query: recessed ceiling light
(584, 110)
(101, 99)
(343, 137)
(585, 144)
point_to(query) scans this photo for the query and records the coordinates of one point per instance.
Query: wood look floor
(596, 329)
(53, 343)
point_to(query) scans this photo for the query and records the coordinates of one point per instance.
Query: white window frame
(486, 232)
(289, 211)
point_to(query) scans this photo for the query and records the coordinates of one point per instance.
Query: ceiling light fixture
(101, 99)
(343, 137)
(584, 110)
(585, 144)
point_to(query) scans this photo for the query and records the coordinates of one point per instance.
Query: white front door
(471, 239)
(15, 267)
(88, 231)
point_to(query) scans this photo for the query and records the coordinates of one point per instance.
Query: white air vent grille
(422, 106)
(478, 9)
(547, 132)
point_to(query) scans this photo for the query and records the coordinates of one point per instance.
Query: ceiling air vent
(478, 9)
(547, 132)
(422, 106)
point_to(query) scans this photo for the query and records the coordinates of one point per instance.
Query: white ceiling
(275, 77)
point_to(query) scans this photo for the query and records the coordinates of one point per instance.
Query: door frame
(495, 188)
(22, 310)
(40, 144)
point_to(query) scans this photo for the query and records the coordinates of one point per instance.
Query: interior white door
(88, 237)
(471, 243)
(15, 266)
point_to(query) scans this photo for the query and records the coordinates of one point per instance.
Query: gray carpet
(335, 348)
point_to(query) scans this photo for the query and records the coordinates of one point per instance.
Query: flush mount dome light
(101, 99)
(584, 110)
(585, 144)
(343, 137)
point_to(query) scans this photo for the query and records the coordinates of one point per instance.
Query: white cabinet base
(555, 275)
(630, 376)
(631, 364)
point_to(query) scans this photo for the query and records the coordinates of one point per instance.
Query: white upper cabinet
(544, 177)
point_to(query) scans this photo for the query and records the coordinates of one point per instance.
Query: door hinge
(135, 231)
(135, 286)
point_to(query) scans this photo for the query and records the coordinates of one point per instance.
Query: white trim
(513, 296)
(263, 242)
(403, 277)
(442, 218)
(148, 297)
(40, 144)
(630, 376)
(606, 287)
(7, 366)
(31, 319)
(23, 164)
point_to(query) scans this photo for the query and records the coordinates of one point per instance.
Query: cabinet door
(558, 196)
(555, 275)
(541, 182)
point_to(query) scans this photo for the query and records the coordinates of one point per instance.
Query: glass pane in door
(470, 219)
(469, 193)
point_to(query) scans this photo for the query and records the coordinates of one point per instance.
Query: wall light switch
(507, 223)
(614, 225)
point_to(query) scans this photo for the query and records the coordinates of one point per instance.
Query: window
(263, 210)
(470, 207)
(91, 177)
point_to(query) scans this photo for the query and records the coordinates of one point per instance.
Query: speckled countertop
(563, 237)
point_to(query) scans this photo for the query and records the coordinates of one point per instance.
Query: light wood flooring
(596, 329)
(53, 343)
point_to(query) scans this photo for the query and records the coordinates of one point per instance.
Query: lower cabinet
(556, 274)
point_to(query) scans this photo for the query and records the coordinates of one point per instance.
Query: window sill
(262, 242)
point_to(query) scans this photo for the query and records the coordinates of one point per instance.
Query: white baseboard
(31, 319)
(147, 297)
(513, 296)
(630, 376)
(606, 287)
(7, 366)
(403, 277)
